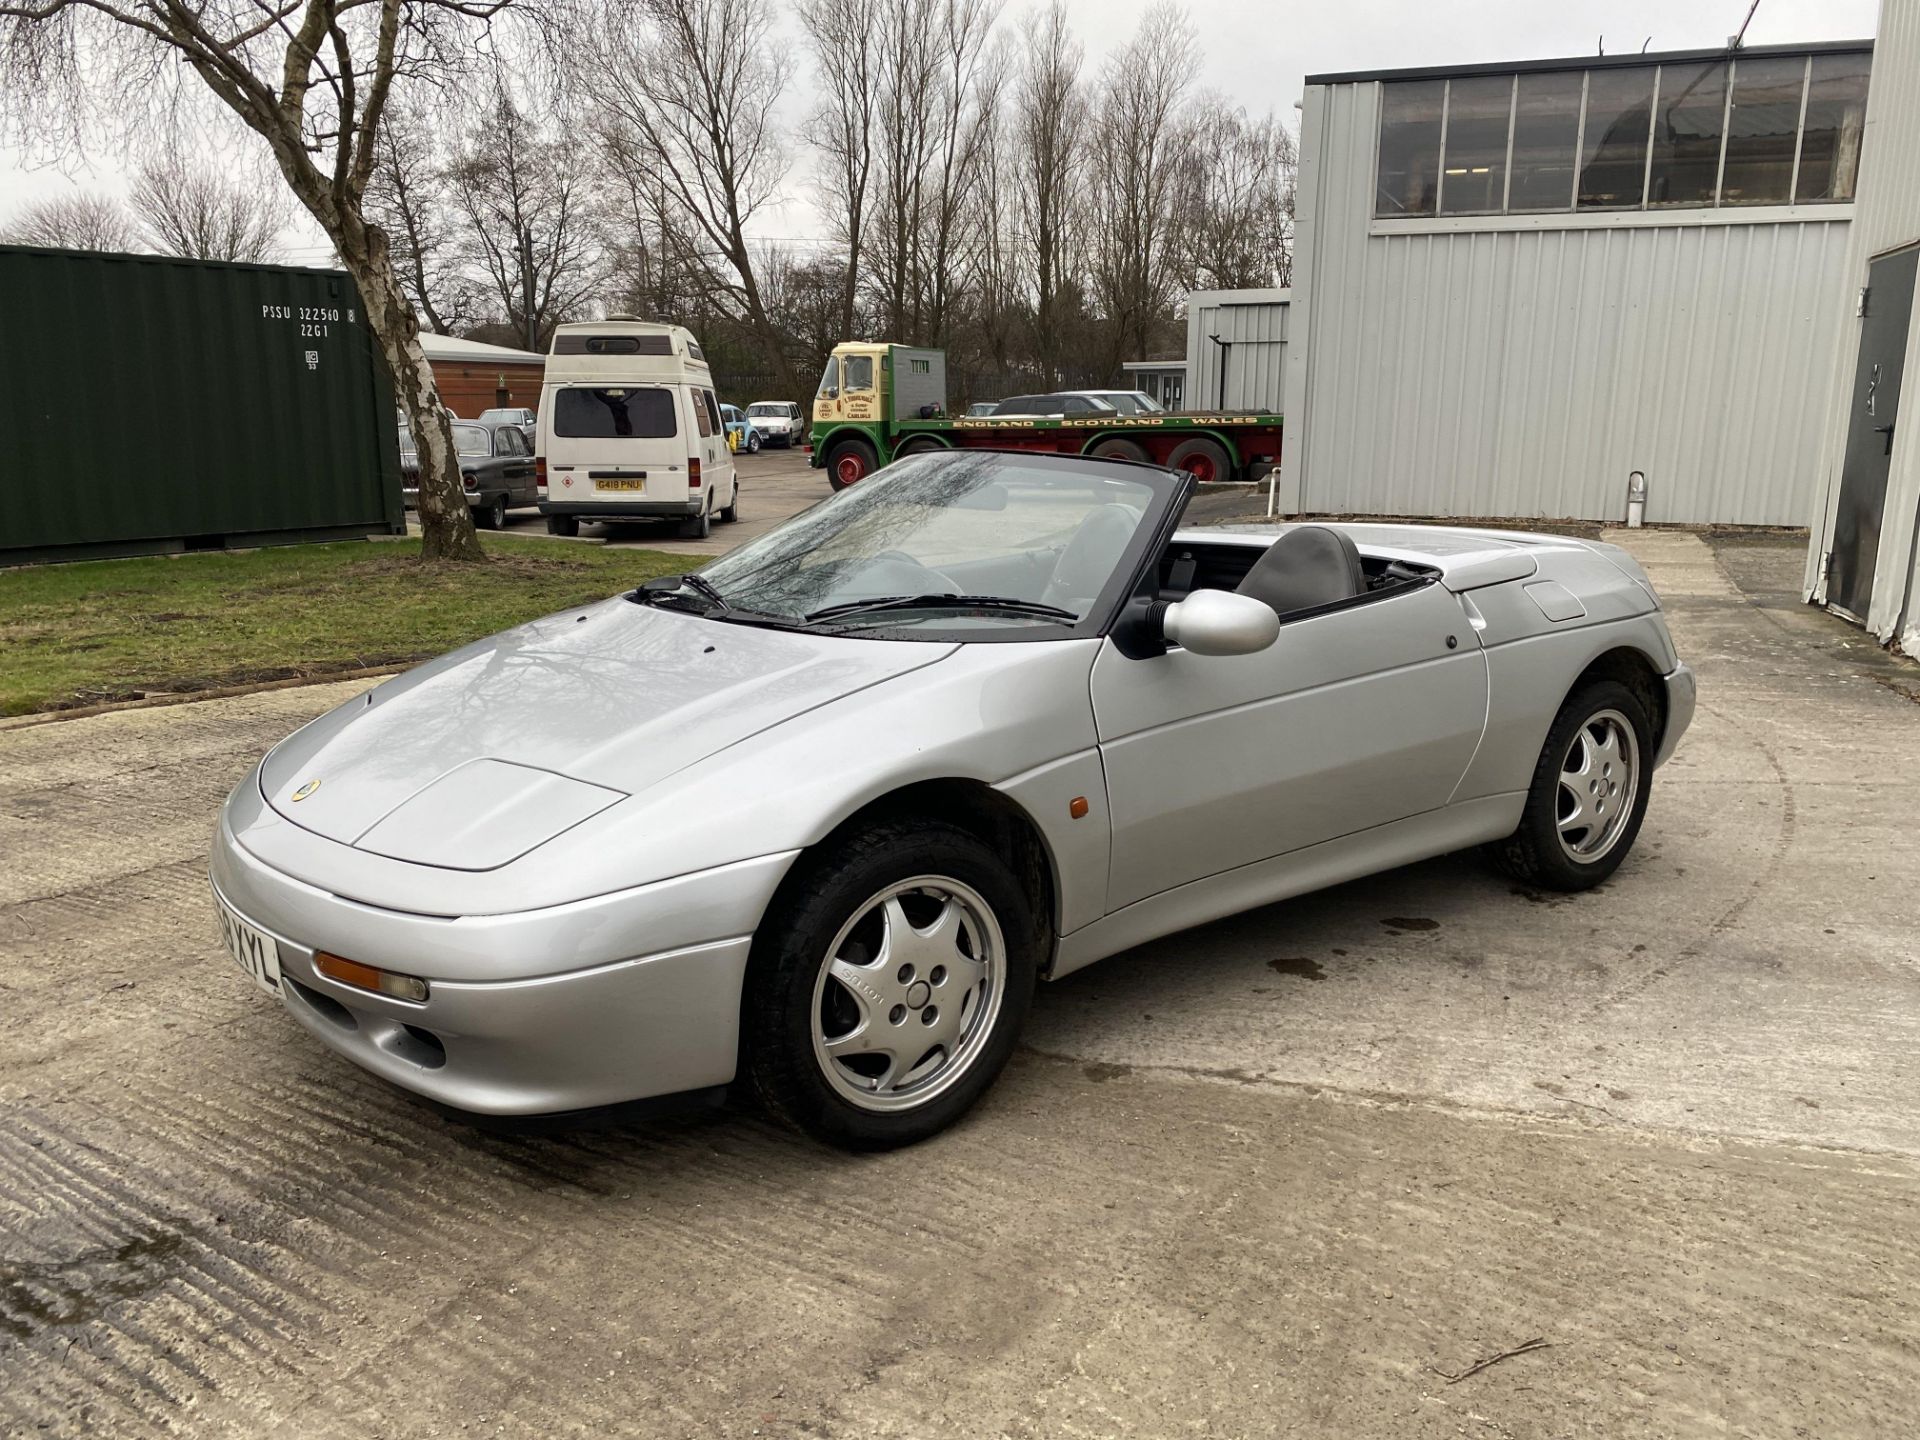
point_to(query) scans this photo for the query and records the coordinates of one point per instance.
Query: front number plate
(251, 946)
(620, 485)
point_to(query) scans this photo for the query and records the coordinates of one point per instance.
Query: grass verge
(121, 629)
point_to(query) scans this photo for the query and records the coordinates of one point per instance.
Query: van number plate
(620, 485)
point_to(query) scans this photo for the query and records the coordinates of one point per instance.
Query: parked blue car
(740, 432)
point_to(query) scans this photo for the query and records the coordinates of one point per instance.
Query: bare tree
(687, 90)
(407, 198)
(1237, 197)
(960, 131)
(841, 126)
(85, 221)
(313, 78)
(1139, 156)
(1050, 119)
(191, 208)
(990, 219)
(524, 199)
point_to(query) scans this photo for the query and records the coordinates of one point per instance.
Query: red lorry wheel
(850, 461)
(1206, 460)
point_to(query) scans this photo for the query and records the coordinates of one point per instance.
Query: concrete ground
(1289, 1174)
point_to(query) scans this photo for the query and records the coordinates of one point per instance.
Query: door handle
(1886, 430)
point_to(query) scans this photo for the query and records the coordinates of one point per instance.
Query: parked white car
(630, 429)
(780, 422)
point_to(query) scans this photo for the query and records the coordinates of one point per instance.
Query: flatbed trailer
(879, 402)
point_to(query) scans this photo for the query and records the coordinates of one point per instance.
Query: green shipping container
(153, 404)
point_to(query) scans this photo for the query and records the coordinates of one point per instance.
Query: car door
(516, 464)
(717, 464)
(1352, 718)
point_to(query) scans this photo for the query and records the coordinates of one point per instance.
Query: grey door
(1876, 399)
(1349, 720)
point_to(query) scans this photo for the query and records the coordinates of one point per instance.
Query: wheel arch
(969, 804)
(848, 430)
(1635, 669)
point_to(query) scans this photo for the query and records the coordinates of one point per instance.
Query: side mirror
(1220, 622)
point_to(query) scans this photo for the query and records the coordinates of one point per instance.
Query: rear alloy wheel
(564, 525)
(753, 442)
(493, 516)
(1589, 792)
(887, 991)
(1204, 459)
(1118, 447)
(849, 462)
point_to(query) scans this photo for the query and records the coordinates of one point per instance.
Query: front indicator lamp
(367, 977)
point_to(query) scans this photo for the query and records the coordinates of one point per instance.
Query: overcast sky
(1257, 52)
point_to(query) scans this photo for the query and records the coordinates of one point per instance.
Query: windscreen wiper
(669, 587)
(944, 601)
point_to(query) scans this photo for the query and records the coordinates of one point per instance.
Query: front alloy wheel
(908, 993)
(888, 983)
(1588, 794)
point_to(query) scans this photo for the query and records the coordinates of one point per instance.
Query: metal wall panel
(1886, 217)
(1254, 322)
(151, 402)
(1475, 370)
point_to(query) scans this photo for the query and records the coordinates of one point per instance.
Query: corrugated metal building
(473, 377)
(1517, 285)
(1236, 349)
(1866, 518)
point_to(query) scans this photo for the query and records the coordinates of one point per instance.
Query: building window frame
(1710, 210)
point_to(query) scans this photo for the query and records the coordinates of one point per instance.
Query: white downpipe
(1636, 499)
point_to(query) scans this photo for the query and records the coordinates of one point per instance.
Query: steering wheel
(905, 575)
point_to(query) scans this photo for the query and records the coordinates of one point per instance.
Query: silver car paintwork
(603, 958)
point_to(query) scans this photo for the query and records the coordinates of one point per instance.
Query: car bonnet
(477, 758)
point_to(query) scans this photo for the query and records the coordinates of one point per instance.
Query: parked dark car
(521, 417)
(496, 466)
(1058, 405)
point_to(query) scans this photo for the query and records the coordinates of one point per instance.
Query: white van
(630, 430)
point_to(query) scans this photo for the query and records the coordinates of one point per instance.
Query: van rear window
(614, 412)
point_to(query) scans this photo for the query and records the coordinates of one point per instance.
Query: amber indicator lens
(367, 977)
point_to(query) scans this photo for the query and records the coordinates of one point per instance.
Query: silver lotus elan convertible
(820, 816)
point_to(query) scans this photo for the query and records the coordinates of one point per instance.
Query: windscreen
(946, 525)
(582, 412)
(771, 411)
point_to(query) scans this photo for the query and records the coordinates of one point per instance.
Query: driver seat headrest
(1310, 565)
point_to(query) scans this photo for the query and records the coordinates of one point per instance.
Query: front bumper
(653, 1023)
(1682, 695)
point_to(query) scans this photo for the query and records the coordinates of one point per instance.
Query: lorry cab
(854, 384)
(629, 429)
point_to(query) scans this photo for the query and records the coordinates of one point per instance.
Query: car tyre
(732, 511)
(564, 525)
(753, 443)
(1589, 792)
(493, 515)
(839, 913)
(701, 526)
(850, 461)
